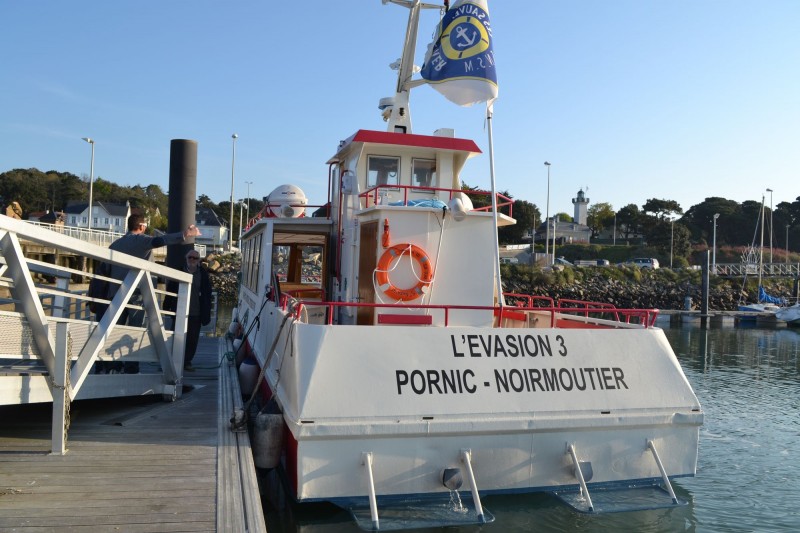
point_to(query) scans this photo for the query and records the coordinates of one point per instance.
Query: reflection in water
(747, 382)
(748, 478)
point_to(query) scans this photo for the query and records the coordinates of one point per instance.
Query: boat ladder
(464, 456)
(583, 473)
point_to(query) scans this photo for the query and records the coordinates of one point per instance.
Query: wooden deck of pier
(134, 464)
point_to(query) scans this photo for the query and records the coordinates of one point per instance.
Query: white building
(105, 216)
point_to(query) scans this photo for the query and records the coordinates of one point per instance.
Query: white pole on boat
(664, 476)
(366, 460)
(466, 457)
(489, 111)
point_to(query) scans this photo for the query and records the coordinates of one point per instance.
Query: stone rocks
(642, 292)
(224, 272)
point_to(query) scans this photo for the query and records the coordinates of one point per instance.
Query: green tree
(661, 209)
(524, 213)
(628, 220)
(599, 217)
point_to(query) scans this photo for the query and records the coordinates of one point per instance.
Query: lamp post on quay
(671, 239)
(91, 183)
(714, 246)
(547, 217)
(771, 231)
(615, 229)
(787, 244)
(233, 168)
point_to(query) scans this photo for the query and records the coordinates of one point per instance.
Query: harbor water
(748, 475)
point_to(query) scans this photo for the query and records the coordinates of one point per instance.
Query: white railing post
(58, 444)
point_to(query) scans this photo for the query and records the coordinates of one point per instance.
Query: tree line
(663, 224)
(38, 191)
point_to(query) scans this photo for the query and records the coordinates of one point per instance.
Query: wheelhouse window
(383, 170)
(423, 173)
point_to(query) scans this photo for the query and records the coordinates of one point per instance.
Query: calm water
(748, 479)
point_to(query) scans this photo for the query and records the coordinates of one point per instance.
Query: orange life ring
(385, 262)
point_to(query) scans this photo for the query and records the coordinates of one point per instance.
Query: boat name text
(507, 346)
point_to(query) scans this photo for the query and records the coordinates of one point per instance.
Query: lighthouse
(581, 204)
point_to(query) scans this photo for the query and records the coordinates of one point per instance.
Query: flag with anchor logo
(460, 61)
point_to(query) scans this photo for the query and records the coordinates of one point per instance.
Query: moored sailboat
(400, 370)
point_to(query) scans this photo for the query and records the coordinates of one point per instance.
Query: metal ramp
(48, 342)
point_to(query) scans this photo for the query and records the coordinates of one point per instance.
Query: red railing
(589, 310)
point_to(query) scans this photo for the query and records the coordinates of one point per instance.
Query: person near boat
(199, 305)
(137, 243)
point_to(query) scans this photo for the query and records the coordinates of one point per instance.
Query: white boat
(401, 373)
(790, 315)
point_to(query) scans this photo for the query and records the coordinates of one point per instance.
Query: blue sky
(634, 99)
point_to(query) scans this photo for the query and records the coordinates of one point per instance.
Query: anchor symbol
(462, 34)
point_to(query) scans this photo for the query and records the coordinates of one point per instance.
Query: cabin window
(298, 269)
(383, 170)
(423, 173)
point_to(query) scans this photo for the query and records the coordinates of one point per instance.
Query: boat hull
(416, 398)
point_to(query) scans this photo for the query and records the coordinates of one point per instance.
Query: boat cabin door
(367, 252)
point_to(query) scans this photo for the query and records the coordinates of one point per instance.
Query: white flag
(460, 61)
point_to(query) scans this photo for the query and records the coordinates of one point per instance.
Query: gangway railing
(101, 237)
(45, 327)
(768, 270)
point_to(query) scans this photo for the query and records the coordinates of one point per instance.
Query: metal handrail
(646, 317)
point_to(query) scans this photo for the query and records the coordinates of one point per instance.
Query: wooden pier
(134, 464)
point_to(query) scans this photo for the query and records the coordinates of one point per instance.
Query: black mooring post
(705, 286)
(182, 194)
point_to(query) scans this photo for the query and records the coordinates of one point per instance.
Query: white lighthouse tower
(581, 204)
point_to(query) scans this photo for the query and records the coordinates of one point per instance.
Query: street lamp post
(671, 239)
(233, 168)
(770, 225)
(91, 182)
(555, 226)
(787, 244)
(547, 217)
(714, 246)
(615, 229)
(533, 241)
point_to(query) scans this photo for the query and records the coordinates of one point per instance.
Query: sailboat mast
(761, 250)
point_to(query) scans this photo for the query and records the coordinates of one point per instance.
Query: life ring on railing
(385, 262)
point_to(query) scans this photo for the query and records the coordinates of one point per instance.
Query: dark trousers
(192, 338)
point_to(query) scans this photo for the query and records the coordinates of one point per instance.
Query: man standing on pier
(136, 243)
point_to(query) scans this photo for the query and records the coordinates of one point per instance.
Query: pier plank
(133, 464)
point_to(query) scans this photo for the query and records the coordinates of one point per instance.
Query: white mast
(396, 109)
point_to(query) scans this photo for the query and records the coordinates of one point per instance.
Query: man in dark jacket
(136, 243)
(199, 305)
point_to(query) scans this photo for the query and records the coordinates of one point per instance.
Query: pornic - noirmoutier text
(515, 380)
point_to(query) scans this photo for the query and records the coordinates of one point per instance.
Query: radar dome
(287, 201)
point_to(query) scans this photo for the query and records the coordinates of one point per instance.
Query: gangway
(768, 270)
(49, 341)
